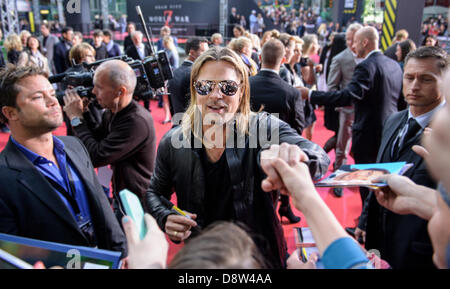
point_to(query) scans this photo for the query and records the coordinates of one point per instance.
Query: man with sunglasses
(212, 158)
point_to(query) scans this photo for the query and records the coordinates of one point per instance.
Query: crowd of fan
(308, 46)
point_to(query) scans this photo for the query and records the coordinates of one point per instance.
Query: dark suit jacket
(374, 90)
(115, 51)
(61, 57)
(101, 52)
(30, 207)
(402, 240)
(13, 56)
(268, 89)
(133, 53)
(127, 42)
(179, 88)
(390, 52)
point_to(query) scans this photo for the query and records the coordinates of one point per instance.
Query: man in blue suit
(61, 50)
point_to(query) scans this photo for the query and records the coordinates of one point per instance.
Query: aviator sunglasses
(227, 87)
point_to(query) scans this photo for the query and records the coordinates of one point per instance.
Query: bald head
(365, 41)
(120, 75)
(369, 33)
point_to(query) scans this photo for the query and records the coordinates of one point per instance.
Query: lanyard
(70, 197)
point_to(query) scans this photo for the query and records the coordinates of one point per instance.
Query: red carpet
(346, 208)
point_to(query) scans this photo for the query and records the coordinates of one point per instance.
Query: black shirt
(218, 194)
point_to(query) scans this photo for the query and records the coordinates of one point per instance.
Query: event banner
(184, 17)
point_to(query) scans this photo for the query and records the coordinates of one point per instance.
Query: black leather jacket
(181, 170)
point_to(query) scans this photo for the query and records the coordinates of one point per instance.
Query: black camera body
(151, 74)
(158, 69)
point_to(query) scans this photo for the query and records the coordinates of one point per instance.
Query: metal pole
(223, 18)
(61, 18)
(37, 15)
(9, 17)
(105, 13)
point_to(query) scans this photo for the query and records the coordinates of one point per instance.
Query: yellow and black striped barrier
(389, 23)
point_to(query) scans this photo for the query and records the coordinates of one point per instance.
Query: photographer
(82, 53)
(125, 137)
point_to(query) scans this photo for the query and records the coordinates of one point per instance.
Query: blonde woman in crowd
(310, 50)
(256, 47)
(24, 35)
(13, 47)
(244, 47)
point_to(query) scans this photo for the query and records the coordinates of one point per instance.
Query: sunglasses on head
(227, 87)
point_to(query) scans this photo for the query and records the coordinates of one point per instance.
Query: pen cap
(166, 202)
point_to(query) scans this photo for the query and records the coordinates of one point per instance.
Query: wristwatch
(76, 121)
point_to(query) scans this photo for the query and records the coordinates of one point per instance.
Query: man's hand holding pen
(178, 227)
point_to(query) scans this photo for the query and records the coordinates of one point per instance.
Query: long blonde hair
(13, 42)
(218, 54)
(309, 40)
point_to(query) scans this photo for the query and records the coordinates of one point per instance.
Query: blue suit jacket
(30, 207)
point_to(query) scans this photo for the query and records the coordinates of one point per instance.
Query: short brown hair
(272, 52)
(98, 33)
(437, 53)
(9, 77)
(222, 245)
(285, 38)
(401, 35)
(107, 33)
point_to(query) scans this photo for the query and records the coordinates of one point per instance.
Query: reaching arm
(356, 90)
(336, 247)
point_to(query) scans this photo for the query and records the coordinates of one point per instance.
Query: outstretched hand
(402, 196)
(287, 171)
(290, 154)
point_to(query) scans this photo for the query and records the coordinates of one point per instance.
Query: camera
(151, 74)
